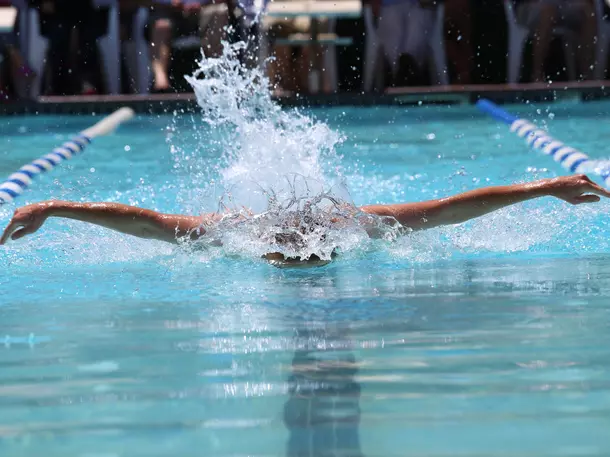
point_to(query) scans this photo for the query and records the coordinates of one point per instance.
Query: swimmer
(144, 223)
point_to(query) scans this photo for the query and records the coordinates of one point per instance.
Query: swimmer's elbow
(172, 228)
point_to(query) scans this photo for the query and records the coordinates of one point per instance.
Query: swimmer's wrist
(551, 187)
(540, 188)
(57, 208)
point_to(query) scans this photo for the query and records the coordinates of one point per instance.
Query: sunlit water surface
(485, 339)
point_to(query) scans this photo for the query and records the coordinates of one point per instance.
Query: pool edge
(410, 96)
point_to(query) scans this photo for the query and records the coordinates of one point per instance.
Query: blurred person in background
(289, 68)
(15, 74)
(404, 28)
(244, 16)
(207, 19)
(290, 44)
(72, 28)
(458, 43)
(542, 16)
(170, 19)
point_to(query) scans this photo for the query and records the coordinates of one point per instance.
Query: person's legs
(391, 32)
(282, 69)
(213, 22)
(89, 62)
(20, 73)
(302, 65)
(419, 23)
(281, 74)
(541, 16)
(60, 59)
(579, 15)
(415, 47)
(161, 39)
(458, 44)
(251, 37)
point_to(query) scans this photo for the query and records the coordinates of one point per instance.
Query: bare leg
(280, 69)
(213, 25)
(303, 69)
(459, 47)
(20, 72)
(586, 50)
(161, 53)
(542, 39)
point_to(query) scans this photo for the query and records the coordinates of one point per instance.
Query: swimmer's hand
(26, 221)
(576, 189)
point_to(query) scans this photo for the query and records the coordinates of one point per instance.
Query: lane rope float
(19, 181)
(571, 159)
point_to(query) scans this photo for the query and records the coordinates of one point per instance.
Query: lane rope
(19, 181)
(569, 158)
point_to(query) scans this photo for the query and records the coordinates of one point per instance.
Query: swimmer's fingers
(8, 231)
(599, 190)
(13, 228)
(587, 198)
(589, 186)
(20, 233)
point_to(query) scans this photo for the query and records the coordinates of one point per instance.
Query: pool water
(489, 338)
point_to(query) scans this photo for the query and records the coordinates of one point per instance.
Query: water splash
(280, 180)
(283, 166)
(261, 144)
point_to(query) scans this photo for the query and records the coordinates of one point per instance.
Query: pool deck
(445, 95)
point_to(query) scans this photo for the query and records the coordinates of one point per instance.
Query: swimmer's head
(296, 234)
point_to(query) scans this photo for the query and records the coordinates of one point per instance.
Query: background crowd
(412, 43)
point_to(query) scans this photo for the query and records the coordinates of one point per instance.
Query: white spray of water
(283, 164)
(274, 164)
(264, 147)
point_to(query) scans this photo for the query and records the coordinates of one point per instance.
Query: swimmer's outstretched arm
(131, 220)
(459, 208)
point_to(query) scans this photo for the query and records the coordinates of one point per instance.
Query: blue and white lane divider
(19, 181)
(569, 158)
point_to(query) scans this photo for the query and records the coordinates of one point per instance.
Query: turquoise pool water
(486, 339)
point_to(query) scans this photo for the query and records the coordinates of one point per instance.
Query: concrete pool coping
(429, 95)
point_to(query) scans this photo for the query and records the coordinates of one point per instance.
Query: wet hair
(296, 228)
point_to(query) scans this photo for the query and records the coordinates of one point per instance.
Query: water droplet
(127, 148)
(92, 170)
(430, 136)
